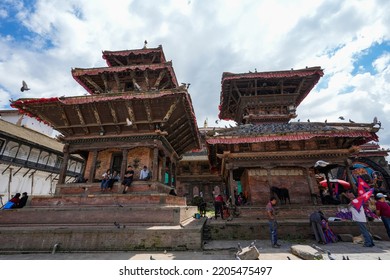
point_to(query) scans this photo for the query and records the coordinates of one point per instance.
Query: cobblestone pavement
(219, 250)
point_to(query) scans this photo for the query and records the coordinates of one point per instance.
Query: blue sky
(42, 40)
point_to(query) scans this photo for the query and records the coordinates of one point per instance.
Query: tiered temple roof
(136, 96)
(265, 97)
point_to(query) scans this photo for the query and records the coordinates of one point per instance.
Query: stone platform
(293, 223)
(80, 217)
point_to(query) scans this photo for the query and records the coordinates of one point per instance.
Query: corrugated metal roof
(30, 135)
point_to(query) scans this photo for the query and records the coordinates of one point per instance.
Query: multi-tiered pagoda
(134, 113)
(266, 149)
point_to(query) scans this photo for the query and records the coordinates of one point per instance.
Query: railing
(34, 165)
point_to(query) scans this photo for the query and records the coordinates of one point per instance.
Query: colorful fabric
(358, 202)
(330, 237)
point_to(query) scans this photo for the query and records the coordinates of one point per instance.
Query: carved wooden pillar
(173, 172)
(170, 174)
(64, 165)
(311, 188)
(231, 184)
(163, 167)
(124, 163)
(348, 163)
(92, 168)
(155, 164)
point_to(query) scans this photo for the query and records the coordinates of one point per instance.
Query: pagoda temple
(135, 113)
(266, 149)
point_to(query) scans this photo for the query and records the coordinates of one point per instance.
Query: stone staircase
(81, 218)
(293, 224)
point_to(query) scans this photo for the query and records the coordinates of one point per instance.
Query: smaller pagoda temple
(266, 149)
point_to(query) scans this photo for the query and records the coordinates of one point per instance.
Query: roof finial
(205, 125)
(145, 43)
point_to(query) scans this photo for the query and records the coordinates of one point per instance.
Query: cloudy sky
(41, 40)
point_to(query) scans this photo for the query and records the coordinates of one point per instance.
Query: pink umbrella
(345, 184)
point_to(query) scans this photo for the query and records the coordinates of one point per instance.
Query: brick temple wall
(104, 161)
(257, 182)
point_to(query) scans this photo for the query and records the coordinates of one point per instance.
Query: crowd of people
(109, 178)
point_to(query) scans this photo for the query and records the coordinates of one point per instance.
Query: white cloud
(204, 39)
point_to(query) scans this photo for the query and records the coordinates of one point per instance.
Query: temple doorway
(116, 162)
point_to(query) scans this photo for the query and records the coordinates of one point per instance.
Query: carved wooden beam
(130, 111)
(146, 78)
(118, 61)
(300, 85)
(154, 57)
(104, 78)
(135, 84)
(97, 117)
(281, 86)
(105, 124)
(114, 117)
(160, 77)
(148, 110)
(181, 136)
(166, 84)
(175, 123)
(81, 119)
(184, 145)
(64, 117)
(170, 111)
(118, 83)
(236, 88)
(95, 85)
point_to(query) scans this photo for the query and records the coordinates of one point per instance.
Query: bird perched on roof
(308, 120)
(351, 121)
(24, 86)
(145, 43)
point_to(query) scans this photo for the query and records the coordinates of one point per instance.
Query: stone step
(94, 188)
(157, 215)
(107, 200)
(250, 229)
(78, 238)
(289, 212)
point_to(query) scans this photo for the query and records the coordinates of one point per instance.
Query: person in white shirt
(145, 174)
(360, 218)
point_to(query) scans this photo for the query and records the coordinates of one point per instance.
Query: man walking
(273, 225)
(360, 218)
(383, 210)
